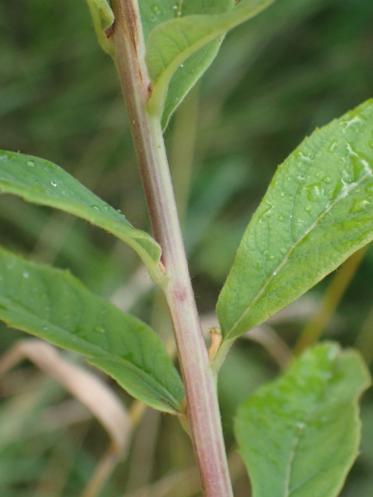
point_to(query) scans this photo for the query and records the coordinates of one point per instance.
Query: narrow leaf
(53, 305)
(42, 182)
(173, 42)
(103, 18)
(300, 434)
(317, 211)
(155, 14)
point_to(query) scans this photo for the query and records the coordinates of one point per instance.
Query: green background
(274, 81)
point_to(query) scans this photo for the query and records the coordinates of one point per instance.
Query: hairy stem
(202, 404)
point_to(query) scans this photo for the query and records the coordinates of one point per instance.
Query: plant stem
(202, 404)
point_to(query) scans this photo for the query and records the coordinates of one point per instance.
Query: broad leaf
(171, 43)
(185, 76)
(42, 182)
(300, 434)
(317, 211)
(53, 305)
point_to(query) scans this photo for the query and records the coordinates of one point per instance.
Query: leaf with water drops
(171, 44)
(300, 434)
(53, 305)
(159, 12)
(317, 211)
(42, 182)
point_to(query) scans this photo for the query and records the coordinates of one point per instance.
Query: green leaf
(156, 13)
(42, 182)
(300, 434)
(317, 211)
(171, 43)
(103, 19)
(53, 305)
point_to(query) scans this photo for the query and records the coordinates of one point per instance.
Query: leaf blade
(300, 434)
(53, 305)
(185, 76)
(41, 182)
(172, 43)
(322, 200)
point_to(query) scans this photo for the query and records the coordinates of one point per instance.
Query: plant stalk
(202, 403)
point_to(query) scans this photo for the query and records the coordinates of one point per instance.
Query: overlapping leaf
(172, 43)
(42, 182)
(317, 211)
(300, 434)
(53, 305)
(158, 13)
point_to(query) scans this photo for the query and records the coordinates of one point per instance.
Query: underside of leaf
(42, 182)
(155, 14)
(53, 305)
(172, 43)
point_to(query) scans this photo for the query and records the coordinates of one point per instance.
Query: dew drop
(266, 211)
(314, 191)
(30, 163)
(332, 146)
(351, 151)
(351, 122)
(347, 177)
(26, 275)
(54, 183)
(304, 157)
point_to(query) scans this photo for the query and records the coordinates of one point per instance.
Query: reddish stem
(203, 409)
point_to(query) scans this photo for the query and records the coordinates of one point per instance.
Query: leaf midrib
(313, 226)
(300, 433)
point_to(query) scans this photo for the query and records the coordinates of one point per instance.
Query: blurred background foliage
(295, 67)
